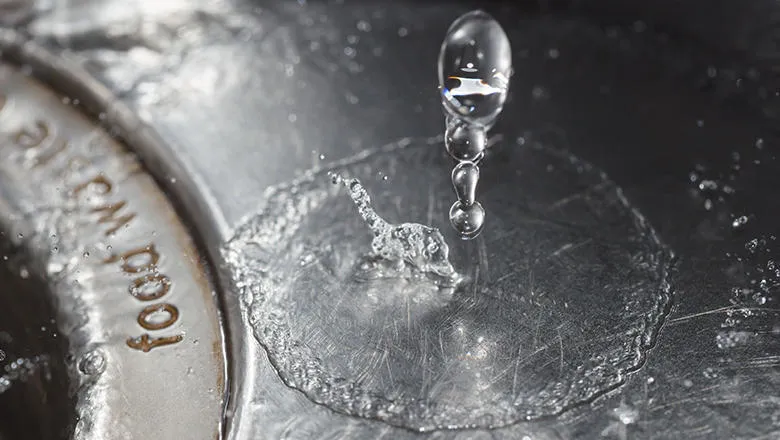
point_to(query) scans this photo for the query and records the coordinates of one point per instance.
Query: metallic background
(234, 97)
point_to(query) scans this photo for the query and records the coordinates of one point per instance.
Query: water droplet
(402, 32)
(759, 143)
(475, 63)
(465, 177)
(364, 26)
(468, 220)
(465, 141)
(710, 373)
(706, 185)
(739, 222)
(92, 362)
(626, 414)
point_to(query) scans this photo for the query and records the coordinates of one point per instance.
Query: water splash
(394, 347)
(395, 248)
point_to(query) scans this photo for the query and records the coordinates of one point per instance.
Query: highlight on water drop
(475, 63)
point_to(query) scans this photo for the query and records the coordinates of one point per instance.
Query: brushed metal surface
(132, 295)
(680, 115)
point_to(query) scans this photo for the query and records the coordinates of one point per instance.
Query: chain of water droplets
(475, 63)
(466, 143)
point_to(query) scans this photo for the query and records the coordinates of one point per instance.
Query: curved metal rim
(190, 196)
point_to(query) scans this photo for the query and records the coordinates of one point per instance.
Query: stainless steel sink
(149, 151)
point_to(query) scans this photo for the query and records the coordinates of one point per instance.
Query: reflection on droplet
(475, 63)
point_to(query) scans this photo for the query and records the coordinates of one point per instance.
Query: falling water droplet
(475, 63)
(465, 141)
(467, 219)
(464, 178)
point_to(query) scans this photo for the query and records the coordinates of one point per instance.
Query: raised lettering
(155, 309)
(147, 254)
(45, 157)
(97, 181)
(150, 287)
(109, 213)
(146, 343)
(31, 138)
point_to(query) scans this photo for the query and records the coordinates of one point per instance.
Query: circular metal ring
(133, 293)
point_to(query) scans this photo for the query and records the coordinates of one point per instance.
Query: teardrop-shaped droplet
(464, 178)
(475, 63)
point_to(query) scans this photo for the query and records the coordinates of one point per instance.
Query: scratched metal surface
(132, 300)
(680, 114)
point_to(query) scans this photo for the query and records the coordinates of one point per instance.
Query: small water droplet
(306, 259)
(709, 373)
(92, 363)
(364, 26)
(739, 222)
(465, 177)
(707, 184)
(626, 414)
(467, 220)
(402, 32)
